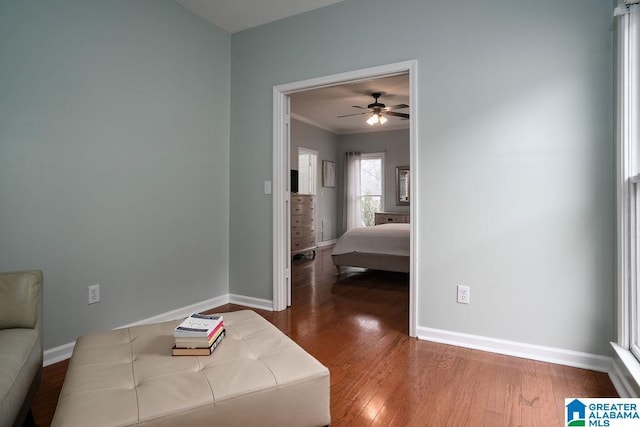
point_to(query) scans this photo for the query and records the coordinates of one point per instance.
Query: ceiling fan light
(382, 120)
(373, 119)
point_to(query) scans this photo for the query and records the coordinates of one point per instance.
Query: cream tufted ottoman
(256, 376)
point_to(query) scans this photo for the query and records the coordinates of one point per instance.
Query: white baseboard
(262, 304)
(63, 352)
(183, 311)
(58, 354)
(327, 243)
(559, 356)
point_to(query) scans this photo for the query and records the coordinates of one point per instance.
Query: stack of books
(198, 335)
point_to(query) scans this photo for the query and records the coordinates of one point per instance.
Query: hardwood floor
(357, 325)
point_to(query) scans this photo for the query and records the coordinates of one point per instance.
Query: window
(628, 128)
(628, 189)
(371, 186)
(307, 171)
(632, 248)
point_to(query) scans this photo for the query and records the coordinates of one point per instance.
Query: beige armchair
(20, 343)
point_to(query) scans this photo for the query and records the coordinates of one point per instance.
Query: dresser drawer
(298, 220)
(302, 231)
(306, 199)
(303, 243)
(302, 208)
(384, 217)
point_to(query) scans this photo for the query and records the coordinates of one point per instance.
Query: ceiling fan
(378, 110)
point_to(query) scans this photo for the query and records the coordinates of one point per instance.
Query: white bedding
(388, 239)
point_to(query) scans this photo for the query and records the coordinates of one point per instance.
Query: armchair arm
(21, 300)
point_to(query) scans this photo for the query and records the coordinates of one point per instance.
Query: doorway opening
(282, 183)
(307, 170)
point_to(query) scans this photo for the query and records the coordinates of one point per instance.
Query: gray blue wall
(514, 154)
(114, 152)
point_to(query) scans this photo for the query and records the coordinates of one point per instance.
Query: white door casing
(281, 184)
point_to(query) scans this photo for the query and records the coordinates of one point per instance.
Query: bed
(380, 247)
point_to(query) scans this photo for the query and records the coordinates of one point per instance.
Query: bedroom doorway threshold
(281, 166)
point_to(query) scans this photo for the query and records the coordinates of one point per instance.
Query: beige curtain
(351, 212)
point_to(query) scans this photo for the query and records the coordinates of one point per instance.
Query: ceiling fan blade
(357, 106)
(355, 114)
(398, 107)
(393, 113)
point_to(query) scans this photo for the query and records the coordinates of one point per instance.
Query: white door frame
(281, 166)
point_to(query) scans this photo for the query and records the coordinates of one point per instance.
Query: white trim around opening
(281, 232)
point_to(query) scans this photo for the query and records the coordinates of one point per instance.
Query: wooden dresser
(303, 231)
(387, 217)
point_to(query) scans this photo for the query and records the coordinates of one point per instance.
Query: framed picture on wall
(328, 173)
(403, 186)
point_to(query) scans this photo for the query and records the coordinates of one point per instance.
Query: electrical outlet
(94, 294)
(464, 294)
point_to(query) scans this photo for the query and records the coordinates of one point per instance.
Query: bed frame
(383, 262)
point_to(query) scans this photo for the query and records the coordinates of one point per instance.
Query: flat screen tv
(294, 181)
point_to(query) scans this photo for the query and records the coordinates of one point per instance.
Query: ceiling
(321, 107)
(237, 15)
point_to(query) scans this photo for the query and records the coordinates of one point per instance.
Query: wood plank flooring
(357, 325)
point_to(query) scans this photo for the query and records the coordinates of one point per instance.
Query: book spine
(192, 343)
(217, 341)
(198, 351)
(215, 330)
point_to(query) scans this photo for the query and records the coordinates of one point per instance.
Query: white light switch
(267, 187)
